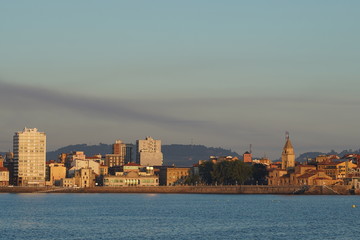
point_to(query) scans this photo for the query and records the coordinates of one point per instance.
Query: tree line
(229, 173)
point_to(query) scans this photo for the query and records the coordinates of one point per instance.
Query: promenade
(240, 189)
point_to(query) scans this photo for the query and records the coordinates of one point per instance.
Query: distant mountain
(180, 155)
(304, 156)
(89, 150)
(187, 155)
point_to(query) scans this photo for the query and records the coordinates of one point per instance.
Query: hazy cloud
(119, 109)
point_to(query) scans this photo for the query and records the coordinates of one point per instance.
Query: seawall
(241, 189)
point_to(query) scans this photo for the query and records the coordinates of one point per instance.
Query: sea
(35, 216)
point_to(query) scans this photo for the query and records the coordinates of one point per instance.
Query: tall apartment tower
(122, 154)
(118, 147)
(30, 157)
(148, 152)
(288, 154)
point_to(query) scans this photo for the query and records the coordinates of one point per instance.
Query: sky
(216, 73)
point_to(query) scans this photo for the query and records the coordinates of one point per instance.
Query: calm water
(178, 216)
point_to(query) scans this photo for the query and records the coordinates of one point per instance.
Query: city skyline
(208, 73)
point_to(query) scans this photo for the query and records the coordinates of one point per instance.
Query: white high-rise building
(30, 157)
(148, 152)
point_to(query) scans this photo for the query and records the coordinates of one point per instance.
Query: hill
(187, 155)
(180, 155)
(89, 150)
(304, 156)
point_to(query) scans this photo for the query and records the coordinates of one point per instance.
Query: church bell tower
(288, 154)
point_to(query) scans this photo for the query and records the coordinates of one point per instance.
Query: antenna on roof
(287, 136)
(250, 148)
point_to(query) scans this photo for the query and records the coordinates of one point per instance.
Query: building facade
(83, 178)
(300, 175)
(338, 169)
(70, 157)
(78, 164)
(4, 173)
(122, 154)
(148, 152)
(131, 179)
(57, 171)
(30, 157)
(170, 176)
(132, 174)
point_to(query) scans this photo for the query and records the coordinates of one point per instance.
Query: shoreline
(240, 189)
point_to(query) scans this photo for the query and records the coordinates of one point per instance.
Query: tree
(259, 174)
(231, 172)
(225, 172)
(205, 171)
(193, 180)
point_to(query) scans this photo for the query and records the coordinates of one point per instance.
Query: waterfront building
(148, 152)
(170, 175)
(300, 175)
(288, 155)
(4, 173)
(309, 175)
(132, 174)
(337, 169)
(83, 178)
(9, 164)
(278, 177)
(30, 157)
(354, 178)
(314, 177)
(57, 171)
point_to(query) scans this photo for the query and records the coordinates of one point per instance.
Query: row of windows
(32, 160)
(129, 180)
(32, 171)
(32, 176)
(31, 151)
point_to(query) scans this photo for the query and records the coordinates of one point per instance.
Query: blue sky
(222, 73)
